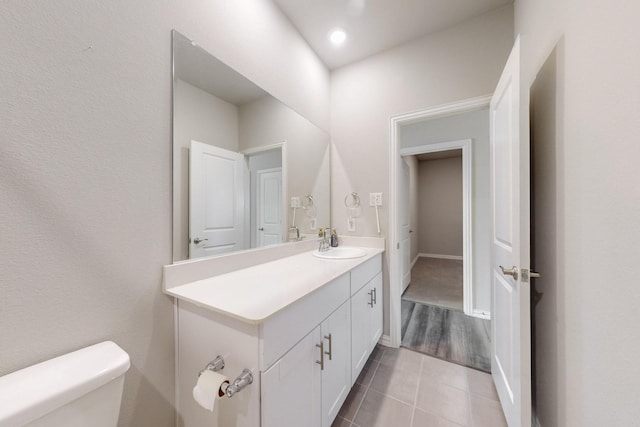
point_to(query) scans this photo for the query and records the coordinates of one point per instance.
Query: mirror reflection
(248, 171)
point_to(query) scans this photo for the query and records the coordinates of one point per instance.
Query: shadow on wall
(547, 236)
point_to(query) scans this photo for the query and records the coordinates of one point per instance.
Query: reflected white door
(216, 200)
(269, 207)
(510, 318)
(405, 240)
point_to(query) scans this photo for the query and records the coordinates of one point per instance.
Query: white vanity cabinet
(366, 313)
(304, 355)
(308, 385)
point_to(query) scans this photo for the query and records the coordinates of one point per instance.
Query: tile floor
(402, 388)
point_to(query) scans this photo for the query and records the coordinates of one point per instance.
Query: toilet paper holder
(243, 380)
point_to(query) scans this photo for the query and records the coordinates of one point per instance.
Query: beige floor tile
(486, 412)
(426, 419)
(398, 383)
(352, 403)
(402, 359)
(378, 410)
(481, 384)
(377, 352)
(439, 371)
(445, 401)
(367, 373)
(341, 422)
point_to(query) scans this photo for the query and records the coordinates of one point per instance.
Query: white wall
(462, 62)
(440, 206)
(472, 125)
(85, 163)
(586, 111)
(267, 121)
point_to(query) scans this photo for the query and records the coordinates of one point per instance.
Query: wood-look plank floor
(447, 334)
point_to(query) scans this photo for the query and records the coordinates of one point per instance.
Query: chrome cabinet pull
(370, 303)
(513, 272)
(321, 361)
(330, 352)
(375, 296)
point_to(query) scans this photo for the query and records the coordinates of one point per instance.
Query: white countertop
(253, 294)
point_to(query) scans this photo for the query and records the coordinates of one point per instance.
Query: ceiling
(373, 26)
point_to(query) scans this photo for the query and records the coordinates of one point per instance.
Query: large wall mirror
(248, 171)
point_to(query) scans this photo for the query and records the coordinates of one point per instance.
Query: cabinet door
(336, 375)
(375, 325)
(360, 335)
(291, 388)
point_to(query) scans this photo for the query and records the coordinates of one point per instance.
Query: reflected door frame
(282, 145)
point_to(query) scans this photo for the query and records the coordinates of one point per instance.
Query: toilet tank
(78, 389)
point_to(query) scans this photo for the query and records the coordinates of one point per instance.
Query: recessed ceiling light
(337, 36)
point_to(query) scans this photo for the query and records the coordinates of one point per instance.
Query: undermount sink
(341, 252)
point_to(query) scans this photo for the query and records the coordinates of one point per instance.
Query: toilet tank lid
(32, 392)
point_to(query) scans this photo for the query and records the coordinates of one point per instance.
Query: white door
(216, 200)
(405, 241)
(510, 310)
(269, 207)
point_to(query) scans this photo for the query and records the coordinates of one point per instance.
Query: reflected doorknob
(513, 272)
(261, 229)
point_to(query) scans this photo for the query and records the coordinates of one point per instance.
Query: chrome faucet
(325, 243)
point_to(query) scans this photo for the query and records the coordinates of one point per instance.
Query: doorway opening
(433, 181)
(266, 195)
(458, 134)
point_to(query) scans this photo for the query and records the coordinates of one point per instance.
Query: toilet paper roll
(209, 388)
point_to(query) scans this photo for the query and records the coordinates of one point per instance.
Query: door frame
(467, 228)
(259, 173)
(282, 145)
(395, 271)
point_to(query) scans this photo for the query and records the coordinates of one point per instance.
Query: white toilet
(78, 389)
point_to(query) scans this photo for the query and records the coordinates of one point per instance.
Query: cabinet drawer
(365, 272)
(284, 329)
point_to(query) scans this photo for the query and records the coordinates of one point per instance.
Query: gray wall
(585, 119)
(461, 62)
(440, 206)
(85, 170)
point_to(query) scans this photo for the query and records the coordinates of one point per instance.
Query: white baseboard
(424, 255)
(385, 340)
(414, 261)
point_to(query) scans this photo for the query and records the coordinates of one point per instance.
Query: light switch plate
(375, 199)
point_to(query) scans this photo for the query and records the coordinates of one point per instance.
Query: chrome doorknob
(261, 229)
(198, 240)
(513, 272)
